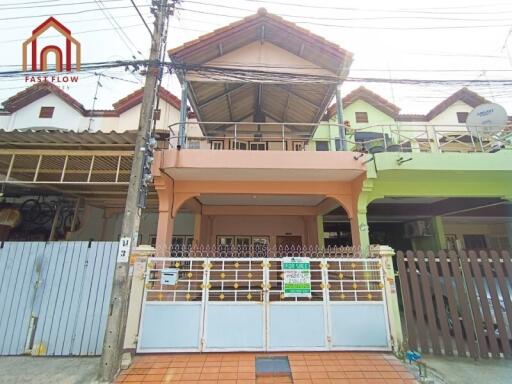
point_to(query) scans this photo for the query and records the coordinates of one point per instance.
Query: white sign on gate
(297, 277)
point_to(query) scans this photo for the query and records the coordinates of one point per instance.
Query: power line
(62, 13)
(358, 9)
(380, 17)
(142, 18)
(59, 4)
(354, 26)
(118, 29)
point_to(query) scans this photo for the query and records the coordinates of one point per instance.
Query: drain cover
(273, 366)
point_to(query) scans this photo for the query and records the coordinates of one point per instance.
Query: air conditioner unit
(418, 228)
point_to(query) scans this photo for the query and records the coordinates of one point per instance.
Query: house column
(320, 230)
(339, 114)
(359, 226)
(165, 190)
(310, 231)
(205, 233)
(197, 228)
(183, 112)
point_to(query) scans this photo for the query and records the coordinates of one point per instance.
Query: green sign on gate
(297, 277)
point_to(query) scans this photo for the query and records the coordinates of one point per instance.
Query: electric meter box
(169, 276)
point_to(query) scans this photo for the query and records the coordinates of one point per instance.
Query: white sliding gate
(237, 304)
(54, 297)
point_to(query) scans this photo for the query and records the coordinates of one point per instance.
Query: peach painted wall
(264, 226)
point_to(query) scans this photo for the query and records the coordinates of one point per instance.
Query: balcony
(249, 136)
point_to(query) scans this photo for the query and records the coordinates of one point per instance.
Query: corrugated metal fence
(54, 297)
(457, 303)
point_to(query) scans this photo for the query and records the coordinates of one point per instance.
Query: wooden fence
(457, 303)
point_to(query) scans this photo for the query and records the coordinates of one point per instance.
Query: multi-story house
(264, 168)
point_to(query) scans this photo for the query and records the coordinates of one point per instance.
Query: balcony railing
(406, 137)
(244, 251)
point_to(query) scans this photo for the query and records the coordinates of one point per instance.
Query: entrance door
(288, 241)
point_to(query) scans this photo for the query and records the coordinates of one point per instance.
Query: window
(475, 241)
(298, 146)
(361, 117)
(258, 146)
(239, 145)
(46, 112)
(217, 145)
(462, 117)
(156, 114)
(193, 144)
(322, 145)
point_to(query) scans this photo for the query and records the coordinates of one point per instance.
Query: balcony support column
(165, 190)
(339, 114)
(183, 113)
(359, 224)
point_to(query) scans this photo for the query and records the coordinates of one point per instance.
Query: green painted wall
(326, 132)
(435, 175)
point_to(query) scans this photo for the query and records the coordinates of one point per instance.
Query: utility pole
(118, 311)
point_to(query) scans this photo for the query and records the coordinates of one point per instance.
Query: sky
(396, 39)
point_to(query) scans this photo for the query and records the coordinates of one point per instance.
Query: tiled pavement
(239, 368)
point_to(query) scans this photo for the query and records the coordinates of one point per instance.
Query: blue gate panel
(234, 325)
(176, 325)
(296, 325)
(64, 286)
(359, 325)
(19, 265)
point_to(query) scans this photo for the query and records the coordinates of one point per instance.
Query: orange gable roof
(37, 91)
(286, 30)
(471, 98)
(371, 98)
(135, 98)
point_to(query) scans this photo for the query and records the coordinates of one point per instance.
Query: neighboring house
(46, 106)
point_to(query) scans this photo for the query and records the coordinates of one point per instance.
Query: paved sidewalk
(239, 368)
(457, 370)
(48, 370)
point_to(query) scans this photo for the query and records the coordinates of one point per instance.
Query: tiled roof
(411, 117)
(37, 91)
(469, 97)
(135, 98)
(261, 15)
(371, 98)
(28, 138)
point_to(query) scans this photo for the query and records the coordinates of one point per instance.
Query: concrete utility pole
(116, 324)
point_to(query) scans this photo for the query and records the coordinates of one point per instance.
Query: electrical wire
(355, 26)
(380, 17)
(62, 13)
(118, 29)
(142, 18)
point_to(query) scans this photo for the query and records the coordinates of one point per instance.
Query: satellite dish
(487, 119)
